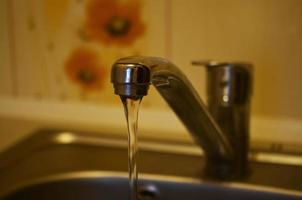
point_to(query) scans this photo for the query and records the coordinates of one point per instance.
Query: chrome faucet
(221, 128)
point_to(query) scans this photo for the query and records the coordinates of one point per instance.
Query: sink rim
(59, 137)
(150, 177)
(56, 140)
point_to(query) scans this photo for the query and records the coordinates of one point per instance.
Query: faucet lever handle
(201, 62)
(209, 63)
(227, 82)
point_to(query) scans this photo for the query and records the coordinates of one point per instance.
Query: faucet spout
(131, 78)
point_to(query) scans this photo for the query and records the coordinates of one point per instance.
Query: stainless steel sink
(108, 187)
(71, 165)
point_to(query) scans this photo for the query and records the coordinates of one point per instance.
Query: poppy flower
(114, 21)
(84, 68)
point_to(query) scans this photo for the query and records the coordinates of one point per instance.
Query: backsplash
(62, 50)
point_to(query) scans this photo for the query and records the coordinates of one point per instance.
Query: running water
(131, 107)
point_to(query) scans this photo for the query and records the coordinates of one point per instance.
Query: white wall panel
(6, 87)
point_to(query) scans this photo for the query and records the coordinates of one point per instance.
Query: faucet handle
(206, 63)
(228, 83)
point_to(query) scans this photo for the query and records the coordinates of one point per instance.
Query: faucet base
(224, 170)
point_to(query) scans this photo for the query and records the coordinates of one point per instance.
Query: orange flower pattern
(84, 68)
(114, 21)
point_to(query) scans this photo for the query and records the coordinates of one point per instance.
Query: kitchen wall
(266, 33)
(38, 36)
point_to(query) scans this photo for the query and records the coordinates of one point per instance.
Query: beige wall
(267, 33)
(264, 32)
(6, 87)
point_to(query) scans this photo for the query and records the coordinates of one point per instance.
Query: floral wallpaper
(107, 23)
(70, 45)
(114, 22)
(85, 68)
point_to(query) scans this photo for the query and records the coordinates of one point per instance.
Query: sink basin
(70, 165)
(109, 187)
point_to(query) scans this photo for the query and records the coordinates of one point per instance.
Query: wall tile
(266, 33)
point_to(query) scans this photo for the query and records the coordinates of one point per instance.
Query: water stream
(131, 107)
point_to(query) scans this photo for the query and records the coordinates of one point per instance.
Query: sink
(72, 165)
(108, 187)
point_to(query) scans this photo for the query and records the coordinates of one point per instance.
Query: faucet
(221, 128)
